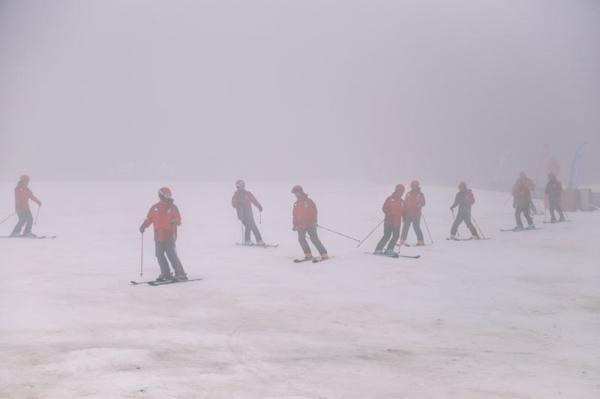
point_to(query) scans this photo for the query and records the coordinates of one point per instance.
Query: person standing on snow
(522, 201)
(165, 217)
(393, 208)
(464, 200)
(242, 201)
(554, 192)
(22, 196)
(305, 222)
(414, 201)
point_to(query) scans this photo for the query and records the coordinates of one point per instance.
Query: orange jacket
(22, 196)
(413, 202)
(393, 208)
(304, 213)
(165, 217)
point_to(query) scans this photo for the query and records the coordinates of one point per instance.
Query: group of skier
(401, 212)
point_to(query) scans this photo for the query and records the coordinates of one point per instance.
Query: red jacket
(413, 202)
(165, 217)
(393, 208)
(242, 201)
(22, 196)
(305, 213)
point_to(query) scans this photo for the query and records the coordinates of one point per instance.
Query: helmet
(462, 185)
(399, 188)
(414, 184)
(240, 184)
(24, 178)
(165, 193)
(297, 189)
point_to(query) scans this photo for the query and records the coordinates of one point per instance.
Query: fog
(381, 90)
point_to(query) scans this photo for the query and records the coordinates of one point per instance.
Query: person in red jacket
(522, 201)
(242, 201)
(165, 217)
(464, 200)
(305, 221)
(22, 196)
(393, 208)
(414, 201)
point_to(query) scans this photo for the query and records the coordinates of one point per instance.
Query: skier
(242, 201)
(305, 221)
(414, 201)
(22, 196)
(165, 217)
(554, 192)
(522, 201)
(464, 200)
(393, 208)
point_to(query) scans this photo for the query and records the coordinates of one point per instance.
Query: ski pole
(37, 215)
(142, 257)
(8, 217)
(427, 227)
(478, 228)
(338, 233)
(369, 235)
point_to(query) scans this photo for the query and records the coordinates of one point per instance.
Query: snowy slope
(517, 316)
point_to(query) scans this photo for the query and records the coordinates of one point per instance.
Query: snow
(517, 316)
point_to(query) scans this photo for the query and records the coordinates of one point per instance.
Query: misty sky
(436, 90)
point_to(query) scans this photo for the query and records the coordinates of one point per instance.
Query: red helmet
(165, 192)
(462, 185)
(24, 178)
(414, 184)
(399, 188)
(297, 189)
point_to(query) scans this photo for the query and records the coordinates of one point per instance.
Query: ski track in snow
(514, 317)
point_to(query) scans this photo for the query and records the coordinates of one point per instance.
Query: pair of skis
(394, 256)
(241, 244)
(313, 260)
(155, 283)
(31, 237)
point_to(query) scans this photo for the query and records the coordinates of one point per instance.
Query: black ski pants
(554, 205)
(250, 227)
(416, 223)
(167, 250)
(389, 231)
(314, 238)
(25, 219)
(463, 217)
(525, 211)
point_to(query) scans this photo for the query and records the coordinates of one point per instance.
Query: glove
(294, 228)
(260, 208)
(142, 229)
(174, 222)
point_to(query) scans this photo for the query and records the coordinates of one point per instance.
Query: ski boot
(475, 237)
(248, 243)
(181, 277)
(324, 256)
(531, 227)
(29, 235)
(164, 277)
(518, 228)
(391, 253)
(453, 237)
(420, 244)
(378, 252)
(261, 243)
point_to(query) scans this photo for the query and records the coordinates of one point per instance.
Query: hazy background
(437, 90)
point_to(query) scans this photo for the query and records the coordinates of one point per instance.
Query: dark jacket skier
(464, 200)
(242, 201)
(554, 191)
